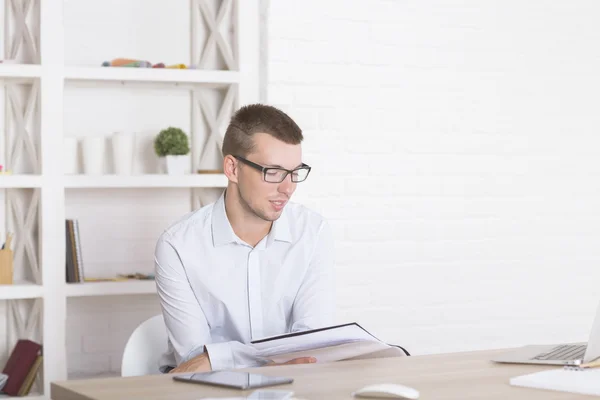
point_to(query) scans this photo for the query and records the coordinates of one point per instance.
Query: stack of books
(22, 368)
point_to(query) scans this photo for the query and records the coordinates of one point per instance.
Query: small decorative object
(6, 262)
(137, 275)
(172, 144)
(127, 62)
(135, 63)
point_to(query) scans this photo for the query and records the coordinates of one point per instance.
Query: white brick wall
(454, 151)
(98, 329)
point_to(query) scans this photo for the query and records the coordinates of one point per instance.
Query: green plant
(171, 142)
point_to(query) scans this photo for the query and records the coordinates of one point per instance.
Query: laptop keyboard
(564, 352)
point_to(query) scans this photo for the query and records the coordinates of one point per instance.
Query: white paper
(259, 394)
(563, 380)
(339, 343)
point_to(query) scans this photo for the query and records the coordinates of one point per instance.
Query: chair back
(144, 348)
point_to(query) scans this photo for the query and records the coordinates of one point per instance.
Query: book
(335, 343)
(30, 378)
(584, 381)
(70, 255)
(78, 251)
(21, 360)
(74, 260)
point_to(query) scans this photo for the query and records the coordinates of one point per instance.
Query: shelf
(21, 290)
(33, 396)
(110, 288)
(145, 181)
(20, 71)
(117, 181)
(157, 75)
(20, 181)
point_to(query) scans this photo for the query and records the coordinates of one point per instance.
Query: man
(252, 264)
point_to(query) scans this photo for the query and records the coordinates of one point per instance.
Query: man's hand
(301, 360)
(199, 363)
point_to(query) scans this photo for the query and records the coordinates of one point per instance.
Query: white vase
(70, 156)
(177, 165)
(122, 151)
(93, 154)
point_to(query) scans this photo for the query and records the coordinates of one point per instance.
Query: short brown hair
(258, 118)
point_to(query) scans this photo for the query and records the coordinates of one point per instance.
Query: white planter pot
(177, 165)
(122, 150)
(93, 154)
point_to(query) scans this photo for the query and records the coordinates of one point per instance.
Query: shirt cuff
(220, 355)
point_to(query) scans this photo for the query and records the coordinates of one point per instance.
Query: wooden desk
(457, 376)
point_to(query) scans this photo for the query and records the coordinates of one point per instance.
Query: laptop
(558, 354)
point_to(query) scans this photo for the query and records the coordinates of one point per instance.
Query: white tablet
(233, 379)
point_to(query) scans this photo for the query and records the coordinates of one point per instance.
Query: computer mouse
(387, 391)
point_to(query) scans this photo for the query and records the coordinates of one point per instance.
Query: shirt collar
(281, 229)
(223, 233)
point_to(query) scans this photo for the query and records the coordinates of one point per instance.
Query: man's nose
(287, 186)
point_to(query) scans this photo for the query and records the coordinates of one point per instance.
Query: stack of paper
(564, 380)
(336, 343)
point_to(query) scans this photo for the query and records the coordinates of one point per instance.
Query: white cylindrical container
(93, 154)
(71, 158)
(122, 151)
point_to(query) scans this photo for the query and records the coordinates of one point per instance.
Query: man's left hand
(300, 360)
(200, 363)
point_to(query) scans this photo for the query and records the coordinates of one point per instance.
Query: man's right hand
(200, 363)
(300, 360)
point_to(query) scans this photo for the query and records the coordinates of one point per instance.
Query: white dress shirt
(218, 293)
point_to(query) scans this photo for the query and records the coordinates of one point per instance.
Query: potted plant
(172, 144)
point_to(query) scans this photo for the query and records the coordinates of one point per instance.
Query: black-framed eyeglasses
(276, 174)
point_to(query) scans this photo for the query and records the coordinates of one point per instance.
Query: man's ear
(230, 168)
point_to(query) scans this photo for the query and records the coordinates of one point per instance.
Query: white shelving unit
(13, 71)
(34, 397)
(21, 290)
(50, 75)
(152, 75)
(146, 181)
(20, 181)
(110, 288)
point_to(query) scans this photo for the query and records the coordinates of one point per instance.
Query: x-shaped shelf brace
(24, 326)
(216, 122)
(22, 33)
(24, 229)
(215, 39)
(22, 137)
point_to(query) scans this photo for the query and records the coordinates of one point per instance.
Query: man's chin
(272, 216)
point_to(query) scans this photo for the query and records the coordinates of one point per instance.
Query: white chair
(144, 348)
